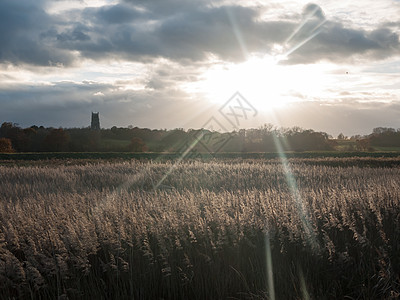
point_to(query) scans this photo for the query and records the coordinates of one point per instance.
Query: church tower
(95, 125)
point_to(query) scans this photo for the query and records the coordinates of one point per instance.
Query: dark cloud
(188, 35)
(182, 30)
(77, 34)
(117, 14)
(20, 42)
(320, 39)
(339, 44)
(185, 31)
(211, 31)
(312, 10)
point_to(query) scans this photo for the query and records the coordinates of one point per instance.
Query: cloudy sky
(331, 66)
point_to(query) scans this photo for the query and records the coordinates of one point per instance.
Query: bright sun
(263, 82)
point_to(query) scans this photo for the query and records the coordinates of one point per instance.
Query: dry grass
(101, 231)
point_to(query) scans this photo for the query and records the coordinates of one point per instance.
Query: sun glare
(263, 81)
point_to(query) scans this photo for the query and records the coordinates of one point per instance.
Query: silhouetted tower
(95, 125)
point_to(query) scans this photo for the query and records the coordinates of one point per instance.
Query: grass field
(228, 228)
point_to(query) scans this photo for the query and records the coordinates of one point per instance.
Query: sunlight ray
(183, 155)
(238, 33)
(301, 25)
(317, 30)
(269, 268)
(295, 192)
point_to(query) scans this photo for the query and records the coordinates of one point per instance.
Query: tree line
(267, 138)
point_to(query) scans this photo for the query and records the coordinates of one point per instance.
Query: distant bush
(137, 145)
(6, 146)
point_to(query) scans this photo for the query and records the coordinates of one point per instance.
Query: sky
(331, 66)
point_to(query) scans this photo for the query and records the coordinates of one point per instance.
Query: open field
(305, 228)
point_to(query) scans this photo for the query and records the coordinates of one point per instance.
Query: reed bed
(220, 229)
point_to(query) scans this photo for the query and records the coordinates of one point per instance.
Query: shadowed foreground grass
(212, 230)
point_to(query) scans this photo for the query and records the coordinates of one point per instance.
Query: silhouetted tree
(137, 145)
(57, 140)
(385, 137)
(6, 146)
(363, 145)
(19, 139)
